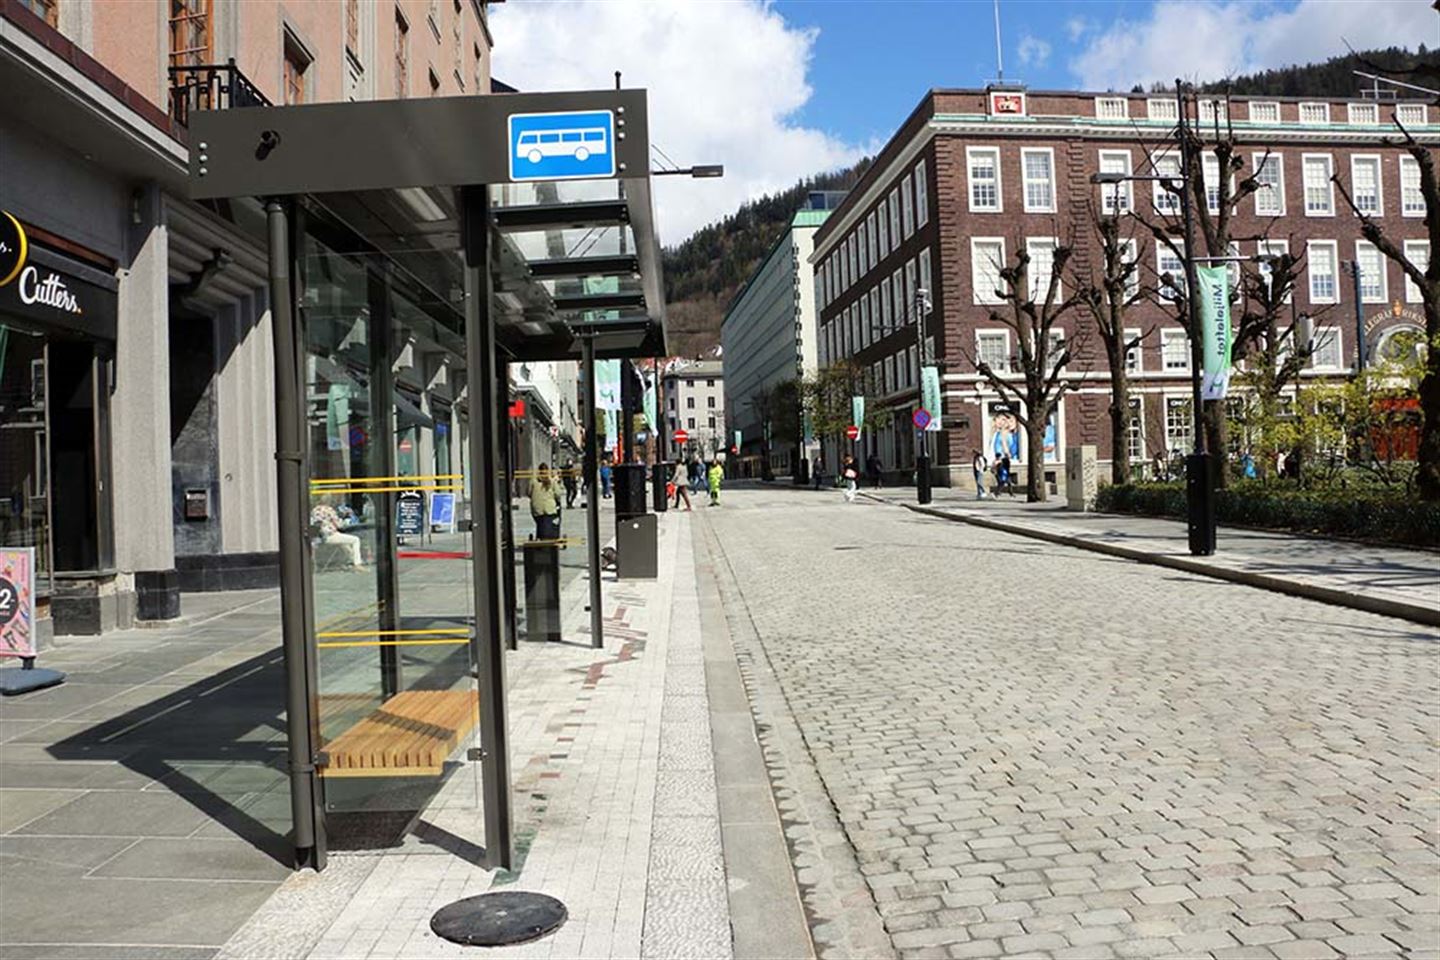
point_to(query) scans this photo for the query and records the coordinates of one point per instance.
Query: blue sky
(778, 90)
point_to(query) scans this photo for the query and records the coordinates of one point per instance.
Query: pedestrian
(981, 467)
(605, 475)
(713, 478)
(874, 469)
(850, 472)
(697, 475)
(679, 484)
(1005, 480)
(571, 486)
(545, 504)
(1247, 465)
(818, 473)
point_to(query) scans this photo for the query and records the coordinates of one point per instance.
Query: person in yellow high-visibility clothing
(713, 478)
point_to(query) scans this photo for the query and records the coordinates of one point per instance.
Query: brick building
(136, 411)
(972, 173)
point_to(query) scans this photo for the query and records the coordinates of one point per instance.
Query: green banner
(807, 428)
(607, 384)
(737, 439)
(1216, 335)
(648, 403)
(930, 395)
(857, 412)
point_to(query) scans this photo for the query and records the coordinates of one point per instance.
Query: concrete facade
(95, 154)
(769, 337)
(932, 185)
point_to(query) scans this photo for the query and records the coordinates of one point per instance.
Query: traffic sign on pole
(680, 436)
(852, 432)
(921, 418)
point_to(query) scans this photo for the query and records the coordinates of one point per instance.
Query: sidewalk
(1388, 580)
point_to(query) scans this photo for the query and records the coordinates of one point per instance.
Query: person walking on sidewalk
(571, 487)
(605, 478)
(874, 469)
(818, 473)
(1004, 479)
(981, 467)
(697, 475)
(714, 479)
(545, 504)
(850, 473)
(678, 480)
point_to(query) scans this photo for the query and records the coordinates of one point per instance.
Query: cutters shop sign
(13, 248)
(35, 285)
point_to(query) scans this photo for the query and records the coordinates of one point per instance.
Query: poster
(17, 603)
(930, 396)
(857, 412)
(1215, 332)
(607, 384)
(1005, 434)
(442, 511)
(409, 513)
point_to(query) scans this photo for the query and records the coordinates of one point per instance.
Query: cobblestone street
(1040, 751)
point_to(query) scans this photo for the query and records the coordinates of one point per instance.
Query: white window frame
(922, 196)
(1412, 289)
(882, 226)
(926, 276)
(893, 204)
(970, 154)
(907, 206)
(1412, 114)
(1111, 194)
(863, 308)
(1026, 180)
(1132, 255)
(1036, 293)
(1208, 163)
(912, 283)
(1275, 248)
(1209, 109)
(1163, 201)
(1135, 356)
(1323, 107)
(1167, 109)
(1004, 335)
(1334, 252)
(1382, 264)
(1410, 171)
(1328, 335)
(1277, 192)
(1362, 114)
(1173, 441)
(885, 304)
(1105, 108)
(1170, 335)
(1374, 158)
(872, 245)
(1165, 292)
(1270, 106)
(1305, 159)
(1135, 431)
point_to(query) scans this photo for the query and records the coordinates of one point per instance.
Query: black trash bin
(636, 548)
(542, 591)
(1200, 493)
(629, 481)
(659, 477)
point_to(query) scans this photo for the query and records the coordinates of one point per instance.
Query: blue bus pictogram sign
(562, 146)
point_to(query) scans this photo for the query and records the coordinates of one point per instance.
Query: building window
(1111, 108)
(1042, 267)
(1363, 113)
(690, 403)
(984, 167)
(297, 62)
(434, 82)
(1170, 270)
(1372, 272)
(352, 28)
(1162, 110)
(191, 35)
(1412, 201)
(710, 382)
(1314, 113)
(872, 239)
(1270, 175)
(1319, 191)
(690, 422)
(882, 230)
(895, 235)
(710, 402)
(1323, 260)
(922, 198)
(1212, 111)
(1135, 431)
(1116, 198)
(1264, 111)
(925, 273)
(479, 60)
(1131, 256)
(1179, 431)
(992, 349)
(712, 423)
(907, 207)
(1365, 185)
(1210, 170)
(1166, 201)
(1418, 253)
(402, 56)
(49, 11)
(1134, 361)
(1038, 169)
(1174, 350)
(1326, 351)
(1272, 248)
(1410, 114)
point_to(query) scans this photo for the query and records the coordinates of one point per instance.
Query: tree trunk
(1119, 422)
(1428, 475)
(1035, 461)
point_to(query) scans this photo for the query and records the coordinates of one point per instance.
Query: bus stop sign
(575, 145)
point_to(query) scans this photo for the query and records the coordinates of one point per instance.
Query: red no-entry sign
(852, 432)
(680, 436)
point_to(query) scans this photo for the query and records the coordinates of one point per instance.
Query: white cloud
(725, 81)
(1206, 40)
(1033, 51)
(1076, 27)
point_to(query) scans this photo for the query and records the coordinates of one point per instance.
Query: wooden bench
(411, 735)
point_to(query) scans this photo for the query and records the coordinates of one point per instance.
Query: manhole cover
(499, 919)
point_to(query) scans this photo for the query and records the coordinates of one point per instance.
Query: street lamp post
(922, 435)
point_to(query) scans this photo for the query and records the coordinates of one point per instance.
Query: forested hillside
(1333, 78)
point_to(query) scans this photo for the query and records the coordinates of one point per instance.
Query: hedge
(1362, 514)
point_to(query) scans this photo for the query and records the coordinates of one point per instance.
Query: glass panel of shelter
(392, 600)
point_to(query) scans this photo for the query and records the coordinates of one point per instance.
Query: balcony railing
(211, 86)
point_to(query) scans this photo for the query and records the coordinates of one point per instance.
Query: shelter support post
(591, 463)
(308, 835)
(488, 642)
(382, 394)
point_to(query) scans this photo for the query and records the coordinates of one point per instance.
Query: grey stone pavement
(1403, 582)
(1034, 750)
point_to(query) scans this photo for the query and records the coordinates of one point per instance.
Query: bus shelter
(416, 248)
